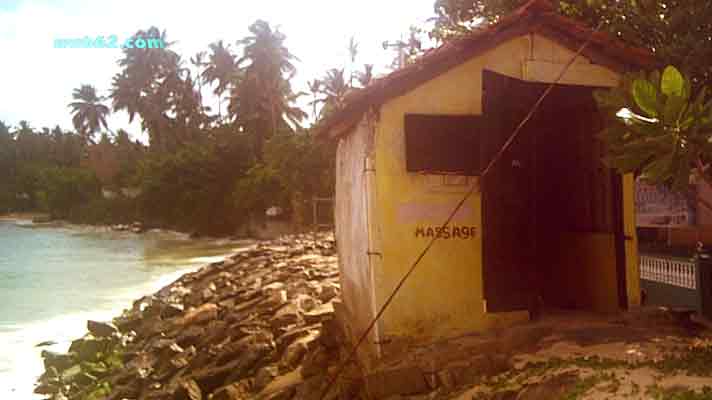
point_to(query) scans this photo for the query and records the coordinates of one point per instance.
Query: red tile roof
(534, 16)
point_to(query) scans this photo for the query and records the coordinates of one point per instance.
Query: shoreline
(178, 254)
(260, 314)
(22, 216)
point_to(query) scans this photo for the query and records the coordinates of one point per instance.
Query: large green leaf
(673, 108)
(646, 97)
(672, 83)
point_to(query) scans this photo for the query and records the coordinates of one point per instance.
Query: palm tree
(88, 111)
(220, 68)
(262, 97)
(353, 52)
(198, 63)
(365, 77)
(315, 89)
(334, 89)
(145, 85)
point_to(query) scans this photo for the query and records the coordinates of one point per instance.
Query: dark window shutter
(443, 144)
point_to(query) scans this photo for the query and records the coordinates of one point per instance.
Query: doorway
(552, 215)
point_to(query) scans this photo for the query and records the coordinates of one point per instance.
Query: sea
(55, 277)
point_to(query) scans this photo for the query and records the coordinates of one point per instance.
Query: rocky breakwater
(258, 325)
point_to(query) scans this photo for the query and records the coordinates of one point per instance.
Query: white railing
(669, 271)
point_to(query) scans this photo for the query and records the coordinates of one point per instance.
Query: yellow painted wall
(445, 294)
(587, 262)
(631, 243)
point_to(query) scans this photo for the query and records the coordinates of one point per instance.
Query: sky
(36, 80)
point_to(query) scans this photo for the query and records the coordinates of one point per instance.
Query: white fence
(669, 271)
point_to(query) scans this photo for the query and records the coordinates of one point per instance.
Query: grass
(693, 361)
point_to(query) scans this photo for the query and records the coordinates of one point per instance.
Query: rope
(467, 195)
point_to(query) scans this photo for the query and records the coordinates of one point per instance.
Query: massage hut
(550, 225)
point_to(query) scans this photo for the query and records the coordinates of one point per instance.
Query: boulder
(329, 291)
(171, 310)
(206, 312)
(189, 390)
(319, 314)
(287, 315)
(406, 380)
(236, 391)
(57, 360)
(101, 329)
(88, 348)
(264, 376)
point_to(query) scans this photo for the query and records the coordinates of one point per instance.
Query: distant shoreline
(15, 216)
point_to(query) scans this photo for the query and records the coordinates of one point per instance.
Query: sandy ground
(641, 358)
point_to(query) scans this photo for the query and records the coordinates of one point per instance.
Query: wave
(20, 360)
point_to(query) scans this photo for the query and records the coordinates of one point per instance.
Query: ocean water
(54, 278)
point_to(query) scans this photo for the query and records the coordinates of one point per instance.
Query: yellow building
(548, 226)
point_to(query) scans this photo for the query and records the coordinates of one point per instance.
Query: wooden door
(508, 210)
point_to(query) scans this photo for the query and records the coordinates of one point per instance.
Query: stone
(319, 314)
(47, 388)
(206, 312)
(264, 376)
(57, 360)
(171, 310)
(189, 390)
(287, 315)
(315, 362)
(276, 299)
(331, 334)
(236, 391)
(407, 380)
(101, 329)
(328, 292)
(88, 348)
(305, 302)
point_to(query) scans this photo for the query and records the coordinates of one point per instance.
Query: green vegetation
(678, 32)
(659, 127)
(202, 171)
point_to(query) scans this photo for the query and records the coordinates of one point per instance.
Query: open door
(508, 224)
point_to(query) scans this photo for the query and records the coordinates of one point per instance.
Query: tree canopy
(678, 32)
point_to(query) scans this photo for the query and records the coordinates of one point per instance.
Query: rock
(328, 292)
(57, 360)
(264, 376)
(287, 315)
(47, 388)
(171, 310)
(70, 373)
(236, 391)
(88, 348)
(331, 334)
(190, 335)
(189, 390)
(316, 362)
(407, 380)
(100, 329)
(319, 314)
(206, 312)
(276, 299)
(294, 353)
(305, 302)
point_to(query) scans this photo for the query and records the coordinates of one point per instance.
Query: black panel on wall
(447, 144)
